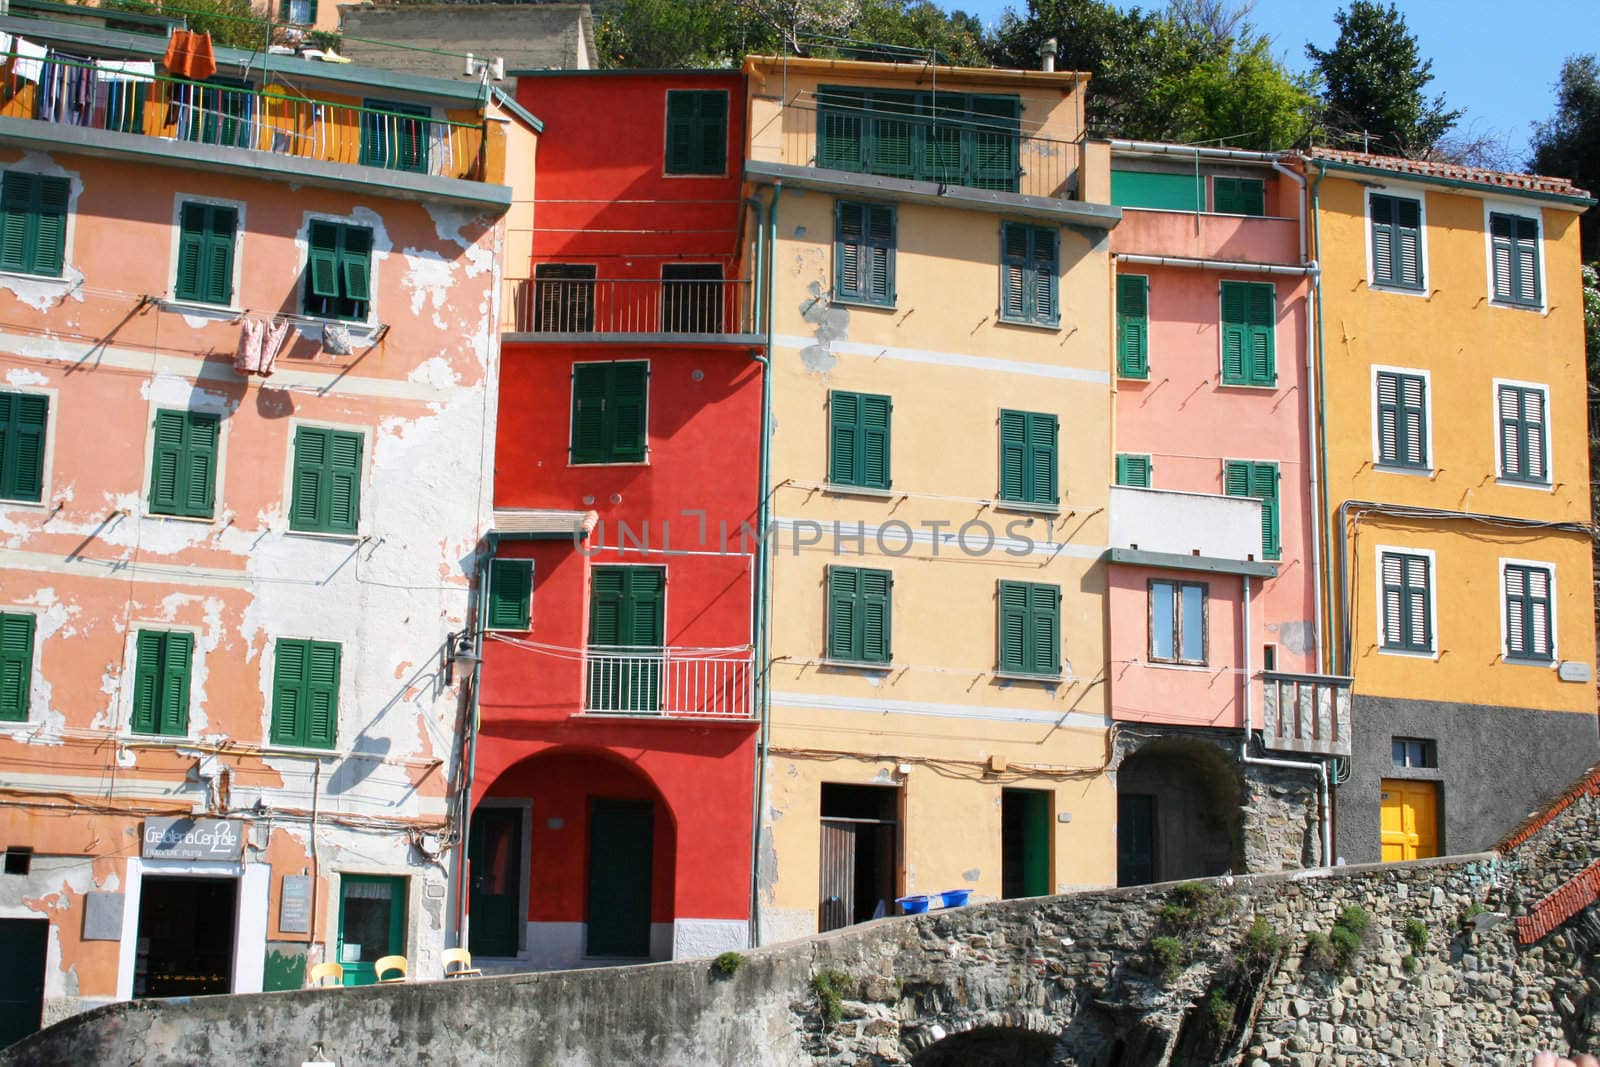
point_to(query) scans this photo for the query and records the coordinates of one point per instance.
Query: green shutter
(147, 673)
(24, 418)
(355, 262)
(842, 614)
(206, 235)
(1030, 628)
(606, 591)
(183, 464)
(33, 222)
(191, 251)
(609, 412)
(859, 439)
(697, 131)
(1133, 470)
(1238, 196)
(175, 667)
(1396, 224)
(859, 614)
(1014, 635)
(864, 248)
(1522, 434)
(288, 692)
(323, 259)
(1046, 265)
(326, 489)
(1133, 326)
(510, 594)
(1014, 280)
(1028, 457)
(166, 462)
(305, 693)
(630, 385)
(589, 387)
(1029, 263)
(874, 614)
(16, 665)
(627, 607)
(1259, 480)
(1248, 328)
(322, 689)
(1514, 241)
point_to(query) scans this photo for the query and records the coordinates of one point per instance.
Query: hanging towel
(189, 55)
(30, 60)
(247, 360)
(271, 345)
(336, 340)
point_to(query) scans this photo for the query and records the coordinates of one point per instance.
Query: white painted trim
(236, 302)
(1549, 483)
(364, 507)
(1492, 206)
(250, 923)
(1433, 599)
(987, 364)
(1404, 192)
(1505, 632)
(1427, 420)
(52, 395)
(991, 713)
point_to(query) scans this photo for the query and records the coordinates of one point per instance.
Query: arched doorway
(1178, 813)
(991, 1046)
(574, 854)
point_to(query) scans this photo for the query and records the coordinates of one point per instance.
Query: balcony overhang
(1205, 564)
(247, 162)
(934, 194)
(542, 524)
(653, 340)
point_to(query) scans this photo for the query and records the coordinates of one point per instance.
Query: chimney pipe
(1047, 55)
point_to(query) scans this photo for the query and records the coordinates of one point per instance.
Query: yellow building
(939, 466)
(1457, 477)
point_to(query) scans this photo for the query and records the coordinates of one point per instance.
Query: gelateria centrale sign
(193, 839)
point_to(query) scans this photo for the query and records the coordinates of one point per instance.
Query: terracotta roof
(1519, 183)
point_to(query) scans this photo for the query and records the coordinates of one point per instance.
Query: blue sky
(1464, 38)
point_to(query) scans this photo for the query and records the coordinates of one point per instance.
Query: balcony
(562, 305)
(1306, 713)
(1187, 531)
(1192, 235)
(669, 683)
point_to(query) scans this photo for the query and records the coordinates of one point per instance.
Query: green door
(496, 903)
(372, 924)
(22, 979)
(1025, 843)
(627, 629)
(621, 833)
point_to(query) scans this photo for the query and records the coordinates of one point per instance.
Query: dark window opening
(563, 298)
(19, 860)
(1414, 752)
(691, 298)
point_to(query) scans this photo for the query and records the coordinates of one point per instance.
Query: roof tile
(1528, 183)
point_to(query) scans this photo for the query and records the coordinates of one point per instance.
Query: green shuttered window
(1407, 611)
(1260, 480)
(33, 223)
(1249, 316)
(1133, 326)
(1527, 593)
(1514, 244)
(1029, 263)
(1238, 196)
(327, 481)
(16, 665)
(1133, 470)
(1522, 434)
(161, 682)
(1402, 420)
(1028, 456)
(305, 693)
(863, 253)
(609, 406)
(627, 607)
(859, 614)
(1396, 241)
(858, 439)
(338, 271)
(1030, 628)
(183, 464)
(24, 417)
(697, 131)
(206, 236)
(395, 136)
(955, 138)
(510, 594)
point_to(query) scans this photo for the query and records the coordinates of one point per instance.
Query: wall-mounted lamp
(458, 656)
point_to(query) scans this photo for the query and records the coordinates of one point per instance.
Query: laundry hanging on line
(189, 55)
(260, 341)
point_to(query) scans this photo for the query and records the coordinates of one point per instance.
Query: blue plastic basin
(912, 905)
(954, 898)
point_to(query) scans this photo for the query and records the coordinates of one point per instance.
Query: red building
(616, 749)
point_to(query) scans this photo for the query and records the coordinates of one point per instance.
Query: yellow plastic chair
(387, 964)
(461, 959)
(321, 972)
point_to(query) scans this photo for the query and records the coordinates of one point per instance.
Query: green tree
(1374, 79)
(230, 22)
(956, 38)
(1241, 98)
(668, 34)
(1568, 145)
(1591, 317)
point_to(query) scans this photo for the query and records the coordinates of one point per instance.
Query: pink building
(1212, 595)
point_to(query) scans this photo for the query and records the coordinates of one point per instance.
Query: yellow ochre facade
(895, 769)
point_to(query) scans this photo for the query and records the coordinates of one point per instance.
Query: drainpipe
(1232, 266)
(469, 730)
(1320, 427)
(1326, 809)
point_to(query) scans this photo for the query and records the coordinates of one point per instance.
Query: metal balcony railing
(564, 304)
(1306, 713)
(127, 97)
(668, 683)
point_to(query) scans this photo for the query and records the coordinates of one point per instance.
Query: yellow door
(1410, 821)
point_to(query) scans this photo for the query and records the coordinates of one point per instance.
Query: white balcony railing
(1306, 713)
(668, 683)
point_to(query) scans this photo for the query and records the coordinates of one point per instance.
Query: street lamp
(459, 656)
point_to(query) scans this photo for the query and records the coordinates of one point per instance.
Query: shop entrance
(372, 924)
(860, 853)
(186, 936)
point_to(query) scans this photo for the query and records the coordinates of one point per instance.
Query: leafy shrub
(1262, 942)
(1219, 1010)
(1417, 935)
(727, 964)
(1355, 919)
(1346, 947)
(1409, 964)
(830, 988)
(1319, 951)
(1167, 954)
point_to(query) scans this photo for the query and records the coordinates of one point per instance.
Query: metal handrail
(573, 305)
(668, 682)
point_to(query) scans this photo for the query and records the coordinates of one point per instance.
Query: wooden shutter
(1388, 418)
(1238, 196)
(166, 463)
(864, 240)
(50, 220)
(1522, 433)
(1234, 334)
(626, 411)
(878, 268)
(23, 421)
(1533, 434)
(322, 694)
(326, 493)
(842, 134)
(588, 412)
(1264, 487)
(343, 480)
(644, 614)
(842, 615)
(874, 615)
(1133, 470)
(510, 594)
(1408, 243)
(1133, 326)
(848, 250)
(216, 275)
(1261, 365)
(874, 447)
(146, 717)
(199, 485)
(1412, 405)
(1014, 263)
(1538, 584)
(1420, 635)
(1014, 625)
(16, 665)
(1527, 597)
(1013, 455)
(306, 491)
(289, 691)
(711, 131)
(355, 262)
(322, 259)
(680, 131)
(33, 222)
(1044, 615)
(173, 707)
(1393, 568)
(16, 210)
(191, 251)
(1042, 437)
(1045, 262)
(606, 593)
(844, 419)
(1514, 245)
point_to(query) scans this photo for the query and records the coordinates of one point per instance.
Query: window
(691, 297)
(863, 253)
(859, 617)
(220, 112)
(1248, 318)
(24, 418)
(1177, 622)
(1528, 630)
(1396, 241)
(1260, 480)
(1238, 196)
(1414, 752)
(305, 693)
(1133, 326)
(395, 136)
(33, 223)
(697, 131)
(858, 439)
(183, 464)
(338, 271)
(1133, 470)
(16, 665)
(1402, 419)
(1158, 191)
(1407, 606)
(1514, 246)
(563, 297)
(298, 12)
(206, 234)
(510, 594)
(326, 493)
(1028, 458)
(1030, 628)
(1522, 442)
(1028, 267)
(627, 632)
(608, 412)
(956, 138)
(161, 682)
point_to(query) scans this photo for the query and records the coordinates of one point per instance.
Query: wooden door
(496, 900)
(621, 837)
(838, 904)
(1409, 820)
(22, 978)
